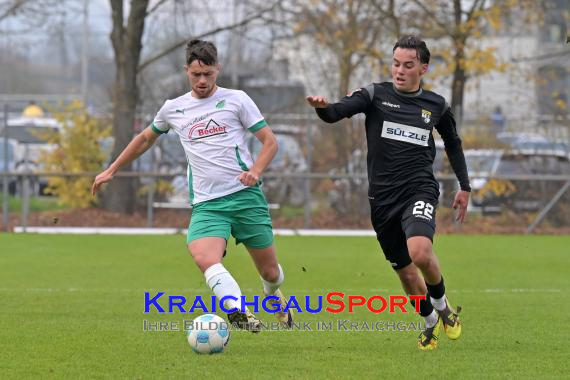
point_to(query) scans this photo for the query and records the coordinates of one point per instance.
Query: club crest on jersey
(426, 115)
(206, 129)
(221, 104)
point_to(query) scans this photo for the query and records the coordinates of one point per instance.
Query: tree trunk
(458, 85)
(120, 194)
(342, 133)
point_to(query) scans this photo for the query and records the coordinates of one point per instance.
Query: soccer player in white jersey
(213, 123)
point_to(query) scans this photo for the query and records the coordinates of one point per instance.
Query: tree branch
(181, 43)
(12, 9)
(390, 14)
(541, 57)
(476, 4)
(431, 14)
(156, 6)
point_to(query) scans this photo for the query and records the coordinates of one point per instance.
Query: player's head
(202, 67)
(409, 63)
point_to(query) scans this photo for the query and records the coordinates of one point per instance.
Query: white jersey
(213, 132)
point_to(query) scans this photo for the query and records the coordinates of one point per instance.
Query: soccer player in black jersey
(403, 192)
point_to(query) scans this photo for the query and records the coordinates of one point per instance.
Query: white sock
(439, 304)
(223, 284)
(431, 319)
(270, 288)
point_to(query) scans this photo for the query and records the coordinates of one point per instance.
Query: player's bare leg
(207, 253)
(272, 277)
(413, 284)
(422, 255)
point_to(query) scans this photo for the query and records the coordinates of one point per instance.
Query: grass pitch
(72, 307)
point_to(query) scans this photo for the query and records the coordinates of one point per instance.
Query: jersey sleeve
(249, 114)
(350, 105)
(160, 122)
(448, 131)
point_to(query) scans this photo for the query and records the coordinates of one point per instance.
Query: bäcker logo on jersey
(206, 129)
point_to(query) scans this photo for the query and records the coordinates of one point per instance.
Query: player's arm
(348, 106)
(268, 151)
(135, 149)
(448, 131)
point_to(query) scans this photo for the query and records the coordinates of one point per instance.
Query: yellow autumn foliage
(497, 187)
(77, 150)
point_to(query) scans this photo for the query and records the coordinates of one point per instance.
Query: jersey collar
(407, 94)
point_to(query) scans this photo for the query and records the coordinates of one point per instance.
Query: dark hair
(203, 51)
(414, 42)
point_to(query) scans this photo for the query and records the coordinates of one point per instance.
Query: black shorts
(394, 226)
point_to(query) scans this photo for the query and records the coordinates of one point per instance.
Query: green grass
(286, 211)
(42, 203)
(72, 307)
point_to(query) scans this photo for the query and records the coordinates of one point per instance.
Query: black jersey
(401, 148)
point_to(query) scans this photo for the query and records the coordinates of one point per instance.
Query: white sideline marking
(173, 231)
(99, 230)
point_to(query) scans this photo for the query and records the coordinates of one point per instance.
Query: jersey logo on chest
(426, 116)
(405, 133)
(221, 104)
(207, 129)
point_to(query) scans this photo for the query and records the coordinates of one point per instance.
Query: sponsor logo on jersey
(405, 133)
(221, 104)
(180, 110)
(200, 118)
(205, 130)
(426, 115)
(391, 105)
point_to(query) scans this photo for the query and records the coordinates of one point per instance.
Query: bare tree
(30, 14)
(461, 22)
(387, 11)
(350, 30)
(8, 9)
(127, 45)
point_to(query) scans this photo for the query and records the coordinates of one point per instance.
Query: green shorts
(244, 215)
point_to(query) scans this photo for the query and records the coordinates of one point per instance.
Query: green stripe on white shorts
(243, 215)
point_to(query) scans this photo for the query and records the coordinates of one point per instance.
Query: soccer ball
(208, 334)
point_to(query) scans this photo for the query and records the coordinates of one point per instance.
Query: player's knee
(421, 255)
(420, 252)
(200, 256)
(270, 273)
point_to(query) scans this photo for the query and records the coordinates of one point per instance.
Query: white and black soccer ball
(208, 334)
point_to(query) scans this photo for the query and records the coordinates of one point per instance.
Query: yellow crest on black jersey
(426, 115)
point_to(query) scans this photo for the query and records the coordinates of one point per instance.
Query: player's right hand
(460, 202)
(103, 177)
(317, 101)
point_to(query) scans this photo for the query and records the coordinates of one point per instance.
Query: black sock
(425, 306)
(436, 291)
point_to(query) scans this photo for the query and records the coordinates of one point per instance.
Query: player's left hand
(461, 201)
(104, 177)
(249, 178)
